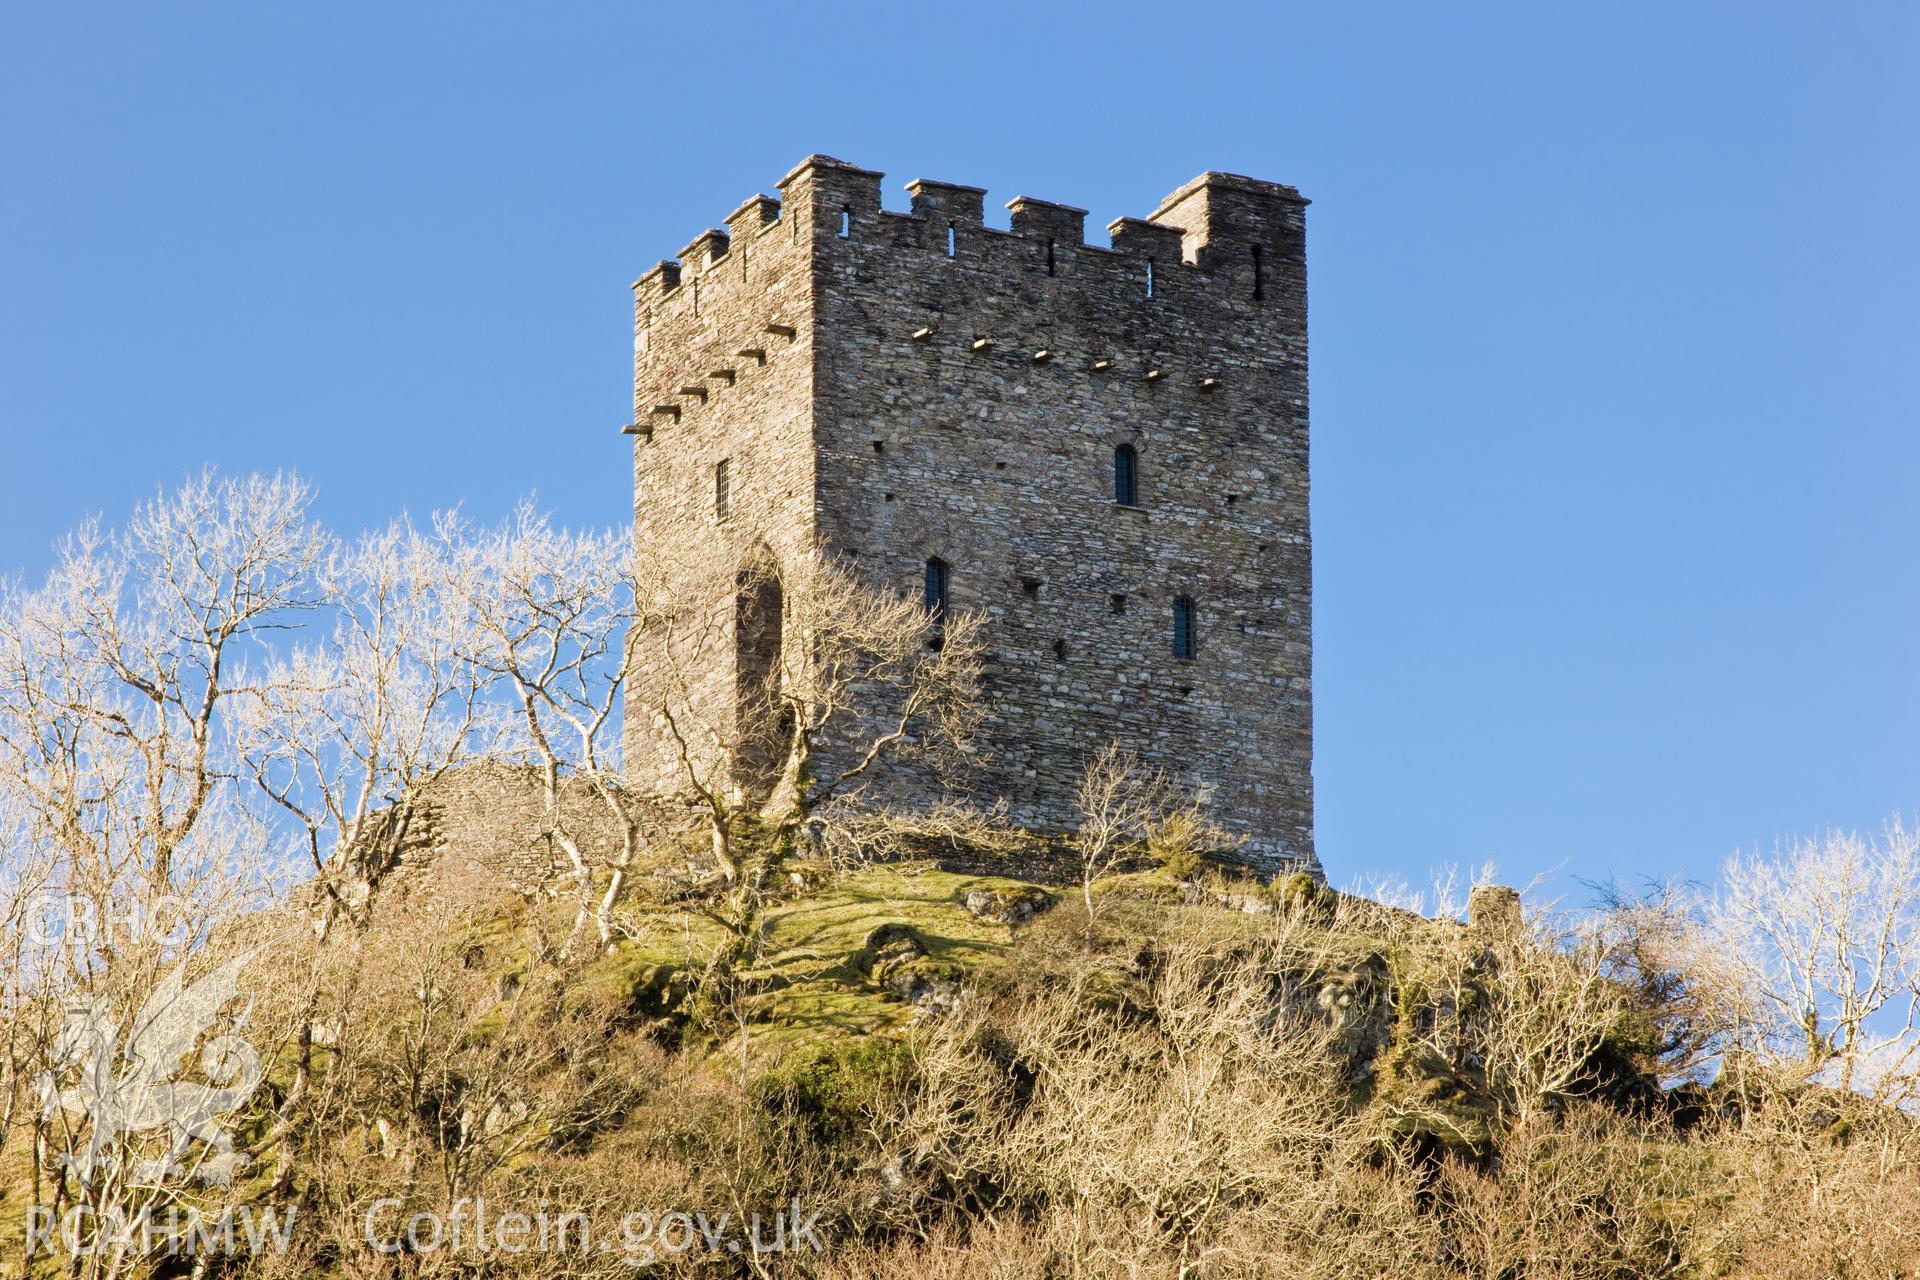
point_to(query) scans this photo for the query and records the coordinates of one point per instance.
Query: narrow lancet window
(723, 488)
(1186, 642)
(938, 573)
(1126, 476)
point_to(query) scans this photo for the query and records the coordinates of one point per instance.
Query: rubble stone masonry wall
(905, 386)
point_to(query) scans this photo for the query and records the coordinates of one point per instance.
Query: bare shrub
(1128, 808)
(1806, 1186)
(1162, 1099)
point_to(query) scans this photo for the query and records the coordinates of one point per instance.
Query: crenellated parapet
(1213, 222)
(1220, 241)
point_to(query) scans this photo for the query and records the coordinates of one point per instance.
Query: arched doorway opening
(759, 720)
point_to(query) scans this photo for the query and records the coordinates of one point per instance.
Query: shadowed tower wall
(929, 387)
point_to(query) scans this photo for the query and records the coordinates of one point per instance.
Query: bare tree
(549, 613)
(120, 680)
(1128, 807)
(119, 674)
(1827, 934)
(855, 683)
(342, 734)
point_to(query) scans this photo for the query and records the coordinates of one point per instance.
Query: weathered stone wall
(489, 818)
(723, 370)
(957, 391)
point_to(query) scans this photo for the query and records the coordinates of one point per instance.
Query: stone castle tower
(1103, 448)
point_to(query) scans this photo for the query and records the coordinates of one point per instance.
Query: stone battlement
(1208, 227)
(1200, 249)
(939, 205)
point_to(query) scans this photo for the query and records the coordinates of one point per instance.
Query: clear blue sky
(1616, 339)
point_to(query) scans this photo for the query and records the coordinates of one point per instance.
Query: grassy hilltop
(1204, 1078)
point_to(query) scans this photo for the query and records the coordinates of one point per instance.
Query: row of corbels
(1044, 355)
(698, 391)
